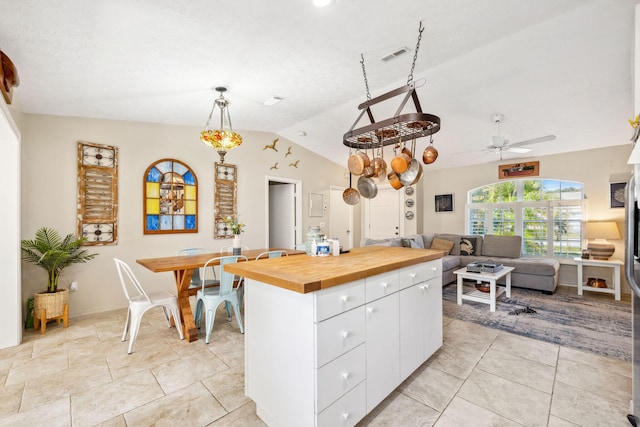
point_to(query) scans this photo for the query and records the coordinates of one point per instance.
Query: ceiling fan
(501, 144)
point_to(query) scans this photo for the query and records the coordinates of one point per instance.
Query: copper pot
(429, 155)
(357, 162)
(351, 195)
(400, 163)
(394, 180)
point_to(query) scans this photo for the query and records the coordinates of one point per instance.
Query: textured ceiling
(558, 67)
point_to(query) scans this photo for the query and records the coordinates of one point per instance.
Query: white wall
(49, 170)
(10, 312)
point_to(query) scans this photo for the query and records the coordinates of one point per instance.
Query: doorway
(284, 212)
(340, 218)
(382, 214)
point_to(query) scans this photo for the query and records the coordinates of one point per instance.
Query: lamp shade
(602, 230)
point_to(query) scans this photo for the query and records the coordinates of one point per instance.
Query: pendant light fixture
(223, 138)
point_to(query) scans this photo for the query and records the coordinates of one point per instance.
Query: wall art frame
(616, 194)
(97, 202)
(444, 203)
(225, 199)
(516, 170)
(170, 202)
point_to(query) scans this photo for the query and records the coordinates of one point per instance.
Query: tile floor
(83, 376)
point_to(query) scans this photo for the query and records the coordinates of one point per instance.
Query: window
(171, 193)
(548, 214)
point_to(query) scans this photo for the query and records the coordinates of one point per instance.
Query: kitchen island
(328, 338)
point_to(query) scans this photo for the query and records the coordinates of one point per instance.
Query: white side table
(614, 264)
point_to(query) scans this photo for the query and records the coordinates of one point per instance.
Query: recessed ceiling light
(322, 3)
(273, 100)
(302, 133)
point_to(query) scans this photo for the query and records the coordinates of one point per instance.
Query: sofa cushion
(415, 242)
(392, 241)
(501, 246)
(427, 239)
(442, 245)
(419, 240)
(450, 262)
(467, 245)
(455, 238)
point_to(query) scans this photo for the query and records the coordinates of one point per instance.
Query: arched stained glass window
(170, 198)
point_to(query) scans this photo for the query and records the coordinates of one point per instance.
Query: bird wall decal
(275, 166)
(288, 151)
(272, 146)
(294, 164)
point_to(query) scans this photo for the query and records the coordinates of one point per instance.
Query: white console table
(614, 264)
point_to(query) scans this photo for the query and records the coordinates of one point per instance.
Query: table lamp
(601, 231)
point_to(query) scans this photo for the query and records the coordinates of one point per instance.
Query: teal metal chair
(208, 299)
(196, 280)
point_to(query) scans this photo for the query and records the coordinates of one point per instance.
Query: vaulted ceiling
(561, 67)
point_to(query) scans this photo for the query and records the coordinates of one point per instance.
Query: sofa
(529, 272)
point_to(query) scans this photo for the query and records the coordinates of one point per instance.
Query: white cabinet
(420, 324)
(383, 347)
(329, 357)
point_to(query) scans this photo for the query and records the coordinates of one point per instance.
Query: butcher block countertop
(308, 274)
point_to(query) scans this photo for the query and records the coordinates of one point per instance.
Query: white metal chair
(208, 299)
(272, 254)
(141, 301)
(196, 281)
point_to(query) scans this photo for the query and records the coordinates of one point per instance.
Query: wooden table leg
(183, 279)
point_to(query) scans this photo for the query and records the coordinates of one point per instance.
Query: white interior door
(282, 215)
(383, 214)
(340, 218)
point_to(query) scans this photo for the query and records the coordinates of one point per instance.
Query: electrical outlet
(74, 286)
(322, 224)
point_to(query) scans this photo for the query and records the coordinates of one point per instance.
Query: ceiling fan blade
(533, 141)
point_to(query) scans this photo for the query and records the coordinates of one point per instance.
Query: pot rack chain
(399, 127)
(364, 74)
(415, 56)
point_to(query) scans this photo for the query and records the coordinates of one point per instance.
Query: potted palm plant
(53, 253)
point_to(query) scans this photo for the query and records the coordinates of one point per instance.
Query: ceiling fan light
(520, 150)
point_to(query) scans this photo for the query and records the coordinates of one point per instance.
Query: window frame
(519, 205)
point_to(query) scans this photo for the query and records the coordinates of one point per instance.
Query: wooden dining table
(183, 268)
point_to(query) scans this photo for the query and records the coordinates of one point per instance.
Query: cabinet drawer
(347, 411)
(418, 273)
(338, 299)
(381, 285)
(339, 334)
(339, 376)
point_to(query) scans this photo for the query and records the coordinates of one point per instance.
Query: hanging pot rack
(397, 129)
(400, 127)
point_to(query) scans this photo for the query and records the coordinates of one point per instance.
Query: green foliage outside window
(547, 213)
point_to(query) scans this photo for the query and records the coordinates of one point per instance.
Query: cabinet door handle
(435, 269)
(345, 334)
(413, 276)
(370, 310)
(345, 416)
(345, 298)
(424, 287)
(345, 375)
(385, 285)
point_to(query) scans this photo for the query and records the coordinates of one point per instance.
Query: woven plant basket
(53, 303)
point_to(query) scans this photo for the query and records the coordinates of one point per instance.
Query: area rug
(599, 325)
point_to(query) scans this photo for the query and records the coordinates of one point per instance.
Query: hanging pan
(367, 187)
(351, 195)
(357, 162)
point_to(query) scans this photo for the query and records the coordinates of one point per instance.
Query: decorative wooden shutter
(98, 193)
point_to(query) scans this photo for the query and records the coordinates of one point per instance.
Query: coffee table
(491, 278)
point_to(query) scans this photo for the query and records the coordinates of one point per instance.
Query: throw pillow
(408, 243)
(442, 245)
(467, 246)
